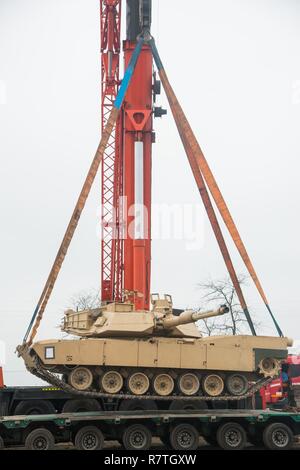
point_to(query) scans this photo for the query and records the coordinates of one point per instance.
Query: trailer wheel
(137, 437)
(35, 407)
(136, 404)
(1, 443)
(81, 405)
(89, 438)
(188, 405)
(231, 436)
(40, 439)
(184, 437)
(219, 405)
(278, 436)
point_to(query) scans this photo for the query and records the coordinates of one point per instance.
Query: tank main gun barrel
(211, 313)
(189, 316)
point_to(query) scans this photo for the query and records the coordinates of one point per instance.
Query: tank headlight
(49, 352)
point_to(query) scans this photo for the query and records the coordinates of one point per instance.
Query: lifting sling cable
(185, 129)
(43, 300)
(216, 227)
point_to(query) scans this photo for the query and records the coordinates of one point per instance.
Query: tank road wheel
(89, 438)
(237, 384)
(184, 437)
(231, 436)
(188, 384)
(163, 384)
(40, 439)
(213, 385)
(269, 367)
(278, 436)
(111, 382)
(81, 378)
(137, 437)
(138, 383)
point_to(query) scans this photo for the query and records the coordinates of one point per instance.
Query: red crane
(126, 167)
(132, 270)
(111, 170)
(125, 152)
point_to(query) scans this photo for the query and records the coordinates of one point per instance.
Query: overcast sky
(235, 67)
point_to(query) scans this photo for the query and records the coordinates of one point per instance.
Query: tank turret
(120, 319)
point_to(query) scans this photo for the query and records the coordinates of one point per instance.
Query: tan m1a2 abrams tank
(123, 351)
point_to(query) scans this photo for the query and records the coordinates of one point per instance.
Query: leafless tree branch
(223, 291)
(85, 300)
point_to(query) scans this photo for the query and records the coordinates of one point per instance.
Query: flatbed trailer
(178, 430)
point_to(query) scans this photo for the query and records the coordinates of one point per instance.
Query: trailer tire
(184, 437)
(89, 438)
(231, 436)
(81, 405)
(1, 443)
(137, 437)
(40, 439)
(219, 405)
(136, 404)
(188, 405)
(278, 436)
(35, 407)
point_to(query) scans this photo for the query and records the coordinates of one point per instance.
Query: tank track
(54, 380)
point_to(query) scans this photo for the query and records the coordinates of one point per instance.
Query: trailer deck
(230, 429)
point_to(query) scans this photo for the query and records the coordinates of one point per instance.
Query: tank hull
(234, 353)
(162, 366)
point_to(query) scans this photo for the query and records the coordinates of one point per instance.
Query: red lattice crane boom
(111, 169)
(126, 167)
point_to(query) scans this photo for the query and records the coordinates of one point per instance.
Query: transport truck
(40, 417)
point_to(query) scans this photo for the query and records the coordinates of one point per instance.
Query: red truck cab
(274, 393)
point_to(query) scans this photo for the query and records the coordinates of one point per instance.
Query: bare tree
(86, 299)
(223, 292)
